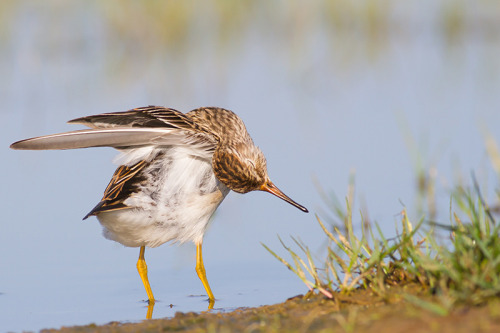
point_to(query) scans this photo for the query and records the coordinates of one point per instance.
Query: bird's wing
(150, 126)
(149, 116)
(123, 183)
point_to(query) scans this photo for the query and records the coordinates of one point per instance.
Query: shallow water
(319, 99)
(102, 295)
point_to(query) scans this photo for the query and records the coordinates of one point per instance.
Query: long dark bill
(271, 188)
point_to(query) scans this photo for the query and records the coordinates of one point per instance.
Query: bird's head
(242, 168)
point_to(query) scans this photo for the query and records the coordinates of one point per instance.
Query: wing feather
(113, 137)
(120, 138)
(146, 126)
(123, 183)
(149, 116)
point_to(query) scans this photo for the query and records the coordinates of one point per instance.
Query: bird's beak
(271, 188)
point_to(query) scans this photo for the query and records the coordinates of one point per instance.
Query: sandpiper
(175, 169)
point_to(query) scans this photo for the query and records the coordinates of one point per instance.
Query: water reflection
(386, 88)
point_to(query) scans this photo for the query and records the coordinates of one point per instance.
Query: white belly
(175, 203)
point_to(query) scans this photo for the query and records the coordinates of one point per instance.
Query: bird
(174, 170)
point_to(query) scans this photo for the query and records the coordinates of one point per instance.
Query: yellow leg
(200, 269)
(142, 268)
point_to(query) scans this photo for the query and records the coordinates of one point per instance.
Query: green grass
(455, 264)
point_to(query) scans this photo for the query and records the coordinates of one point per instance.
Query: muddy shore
(360, 311)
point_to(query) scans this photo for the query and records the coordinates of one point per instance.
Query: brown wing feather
(149, 116)
(123, 183)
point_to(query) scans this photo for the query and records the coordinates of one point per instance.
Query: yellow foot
(211, 303)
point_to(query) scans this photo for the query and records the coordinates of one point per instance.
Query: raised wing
(148, 126)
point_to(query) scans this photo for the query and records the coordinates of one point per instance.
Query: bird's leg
(142, 268)
(200, 269)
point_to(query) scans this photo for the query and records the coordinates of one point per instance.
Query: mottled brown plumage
(236, 162)
(123, 184)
